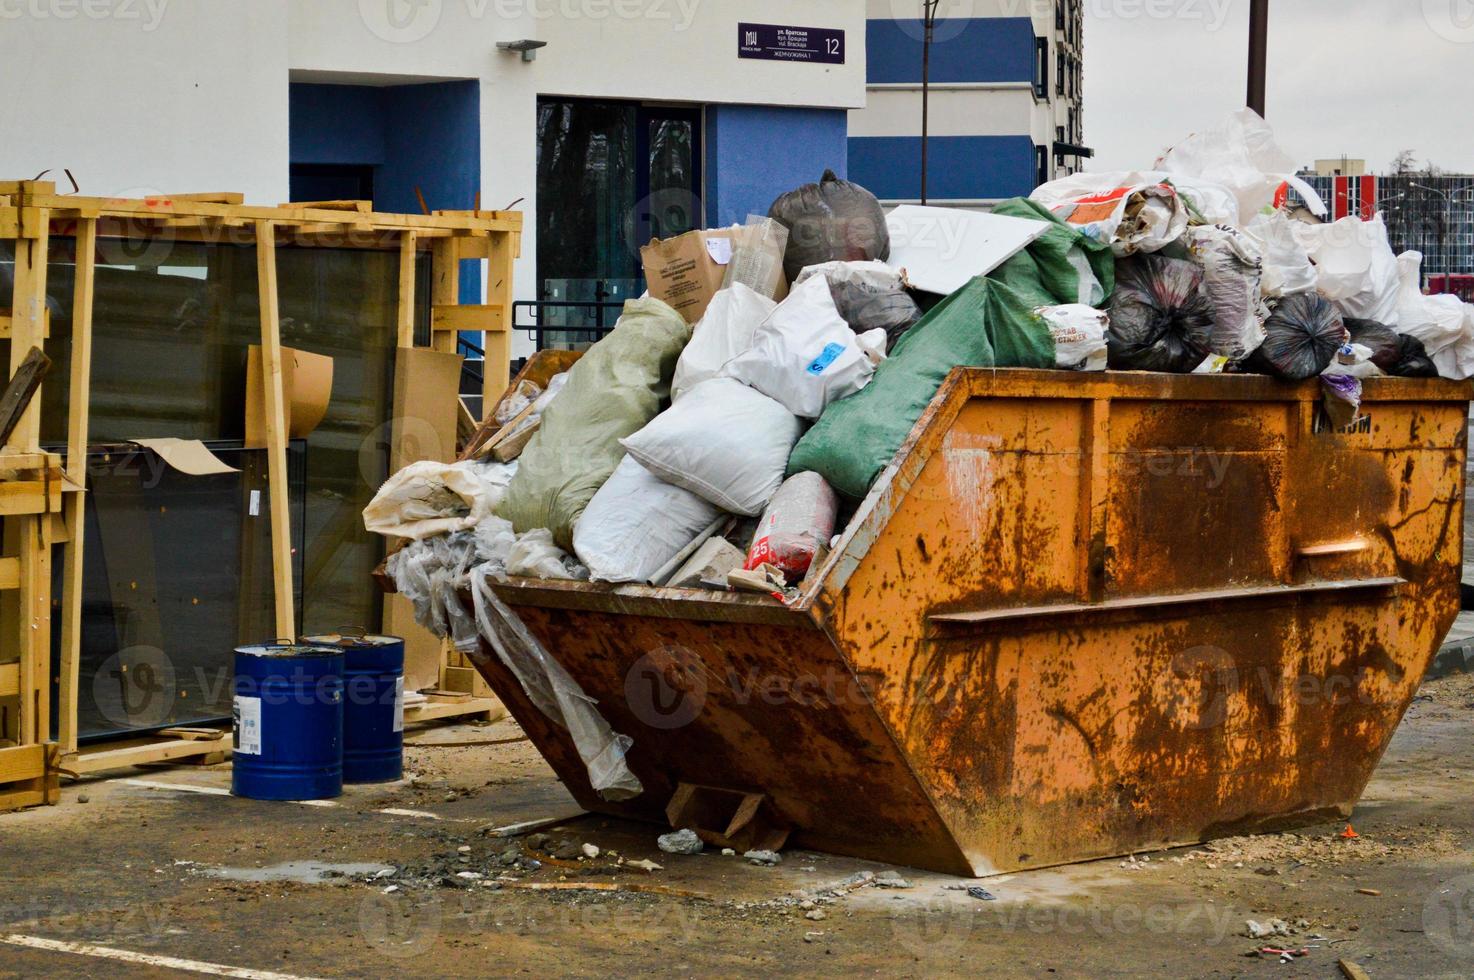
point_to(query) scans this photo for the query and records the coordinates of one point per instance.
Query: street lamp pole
(1258, 53)
(929, 27)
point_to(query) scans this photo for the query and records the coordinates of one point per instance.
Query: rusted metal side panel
(752, 707)
(1104, 731)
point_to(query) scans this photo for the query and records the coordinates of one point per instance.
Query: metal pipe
(1258, 53)
(929, 23)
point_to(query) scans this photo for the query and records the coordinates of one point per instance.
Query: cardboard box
(688, 270)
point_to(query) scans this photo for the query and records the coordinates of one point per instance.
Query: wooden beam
(10, 679)
(496, 372)
(406, 317)
(475, 318)
(80, 400)
(210, 197)
(7, 326)
(17, 396)
(28, 320)
(276, 431)
(445, 291)
(140, 751)
(22, 762)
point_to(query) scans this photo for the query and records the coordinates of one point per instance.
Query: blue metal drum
(288, 722)
(373, 705)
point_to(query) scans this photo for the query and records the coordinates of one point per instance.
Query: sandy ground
(164, 863)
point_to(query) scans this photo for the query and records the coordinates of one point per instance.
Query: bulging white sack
(723, 332)
(429, 498)
(636, 523)
(805, 356)
(1355, 267)
(1456, 361)
(1287, 266)
(724, 441)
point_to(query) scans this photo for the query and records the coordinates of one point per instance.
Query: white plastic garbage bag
(805, 356)
(1287, 265)
(1355, 267)
(723, 332)
(637, 523)
(1437, 321)
(1232, 274)
(1354, 360)
(1079, 333)
(1456, 361)
(554, 691)
(429, 498)
(724, 441)
(1240, 154)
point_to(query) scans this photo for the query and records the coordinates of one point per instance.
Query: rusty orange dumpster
(1079, 615)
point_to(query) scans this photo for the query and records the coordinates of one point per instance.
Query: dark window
(1041, 165)
(331, 182)
(1041, 67)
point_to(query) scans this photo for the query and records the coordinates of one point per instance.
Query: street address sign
(774, 42)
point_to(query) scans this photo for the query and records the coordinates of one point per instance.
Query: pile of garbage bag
(722, 433)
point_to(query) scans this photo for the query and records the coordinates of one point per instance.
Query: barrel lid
(289, 650)
(351, 640)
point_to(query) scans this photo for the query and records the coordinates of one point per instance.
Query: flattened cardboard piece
(427, 386)
(687, 271)
(307, 388)
(943, 249)
(189, 456)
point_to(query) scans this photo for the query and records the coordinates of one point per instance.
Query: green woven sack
(987, 323)
(617, 387)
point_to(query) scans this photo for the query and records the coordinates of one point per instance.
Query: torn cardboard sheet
(189, 456)
(943, 249)
(307, 387)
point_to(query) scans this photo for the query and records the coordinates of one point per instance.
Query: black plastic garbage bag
(865, 308)
(1301, 338)
(1413, 360)
(1384, 342)
(1161, 319)
(831, 221)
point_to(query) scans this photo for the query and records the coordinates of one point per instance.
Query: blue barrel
(373, 705)
(288, 722)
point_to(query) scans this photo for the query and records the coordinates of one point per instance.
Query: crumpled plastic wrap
(555, 693)
(1233, 270)
(429, 498)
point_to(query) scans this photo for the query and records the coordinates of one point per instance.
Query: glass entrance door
(610, 176)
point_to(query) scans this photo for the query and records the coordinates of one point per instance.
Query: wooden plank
(7, 325)
(142, 752)
(362, 207)
(276, 431)
(406, 313)
(438, 706)
(17, 396)
(22, 762)
(211, 197)
(9, 573)
(10, 679)
(467, 317)
(28, 322)
(80, 394)
(445, 292)
(496, 371)
(22, 498)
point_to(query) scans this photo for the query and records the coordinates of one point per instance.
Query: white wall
(153, 96)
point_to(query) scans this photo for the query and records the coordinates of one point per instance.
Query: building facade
(633, 119)
(1005, 98)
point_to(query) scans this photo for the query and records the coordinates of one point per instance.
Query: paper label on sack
(399, 704)
(720, 250)
(247, 717)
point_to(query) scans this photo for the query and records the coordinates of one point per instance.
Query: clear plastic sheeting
(555, 693)
(534, 555)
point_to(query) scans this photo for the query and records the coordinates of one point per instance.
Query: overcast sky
(1360, 78)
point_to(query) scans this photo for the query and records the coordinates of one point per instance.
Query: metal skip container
(373, 704)
(1078, 615)
(288, 715)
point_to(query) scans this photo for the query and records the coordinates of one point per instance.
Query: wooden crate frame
(31, 211)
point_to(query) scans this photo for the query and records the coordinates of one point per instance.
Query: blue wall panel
(958, 168)
(425, 136)
(755, 153)
(973, 49)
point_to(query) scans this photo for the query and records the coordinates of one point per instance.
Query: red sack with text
(797, 523)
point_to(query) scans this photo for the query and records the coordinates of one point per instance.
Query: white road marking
(146, 959)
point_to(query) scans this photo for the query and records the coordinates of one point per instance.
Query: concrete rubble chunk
(680, 842)
(765, 859)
